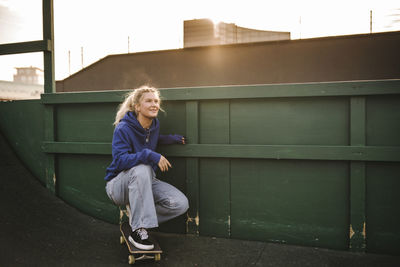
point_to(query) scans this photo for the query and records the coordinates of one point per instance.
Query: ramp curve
(38, 229)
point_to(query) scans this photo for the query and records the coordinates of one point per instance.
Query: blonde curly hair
(132, 99)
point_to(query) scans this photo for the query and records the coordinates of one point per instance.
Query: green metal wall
(306, 164)
(22, 123)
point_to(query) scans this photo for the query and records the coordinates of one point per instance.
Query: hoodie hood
(144, 138)
(132, 121)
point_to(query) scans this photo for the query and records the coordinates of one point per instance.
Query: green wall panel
(383, 121)
(300, 121)
(173, 120)
(80, 182)
(83, 122)
(289, 201)
(214, 122)
(382, 205)
(214, 182)
(21, 122)
(215, 196)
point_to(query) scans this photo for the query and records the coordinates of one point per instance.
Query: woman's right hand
(164, 164)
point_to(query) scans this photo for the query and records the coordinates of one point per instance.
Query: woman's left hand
(163, 164)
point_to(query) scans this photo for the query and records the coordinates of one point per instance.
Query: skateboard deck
(136, 254)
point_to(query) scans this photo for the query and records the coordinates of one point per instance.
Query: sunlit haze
(100, 28)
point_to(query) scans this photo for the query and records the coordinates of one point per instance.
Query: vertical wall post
(49, 136)
(49, 87)
(48, 55)
(357, 176)
(192, 168)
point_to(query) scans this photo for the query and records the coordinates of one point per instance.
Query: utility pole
(69, 62)
(82, 56)
(300, 26)
(128, 44)
(370, 21)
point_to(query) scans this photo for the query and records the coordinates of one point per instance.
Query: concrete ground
(38, 229)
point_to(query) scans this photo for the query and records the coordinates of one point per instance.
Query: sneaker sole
(140, 246)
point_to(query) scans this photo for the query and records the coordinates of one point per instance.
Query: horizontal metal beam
(25, 47)
(302, 152)
(310, 152)
(77, 148)
(381, 87)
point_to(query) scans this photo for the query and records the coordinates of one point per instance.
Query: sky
(103, 27)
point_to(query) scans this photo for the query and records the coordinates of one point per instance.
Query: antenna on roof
(370, 21)
(300, 26)
(128, 44)
(82, 56)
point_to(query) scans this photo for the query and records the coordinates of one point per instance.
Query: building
(17, 91)
(328, 59)
(29, 75)
(27, 84)
(203, 32)
(199, 33)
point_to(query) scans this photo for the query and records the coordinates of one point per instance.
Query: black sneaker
(140, 239)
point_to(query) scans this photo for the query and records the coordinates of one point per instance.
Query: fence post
(192, 168)
(49, 87)
(357, 176)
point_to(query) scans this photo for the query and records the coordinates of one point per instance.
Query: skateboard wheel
(131, 259)
(121, 240)
(157, 257)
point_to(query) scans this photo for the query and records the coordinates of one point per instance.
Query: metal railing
(46, 46)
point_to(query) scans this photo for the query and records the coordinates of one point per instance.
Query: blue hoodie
(133, 145)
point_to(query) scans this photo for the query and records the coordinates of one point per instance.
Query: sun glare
(215, 20)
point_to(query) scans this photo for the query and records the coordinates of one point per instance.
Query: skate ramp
(38, 229)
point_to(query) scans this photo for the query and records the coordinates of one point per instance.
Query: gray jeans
(151, 201)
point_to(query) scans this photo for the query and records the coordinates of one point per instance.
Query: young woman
(131, 175)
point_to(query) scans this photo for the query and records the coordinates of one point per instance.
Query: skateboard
(136, 254)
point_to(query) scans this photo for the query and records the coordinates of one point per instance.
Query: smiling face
(148, 106)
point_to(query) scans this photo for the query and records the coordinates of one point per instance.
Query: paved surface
(38, 229)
